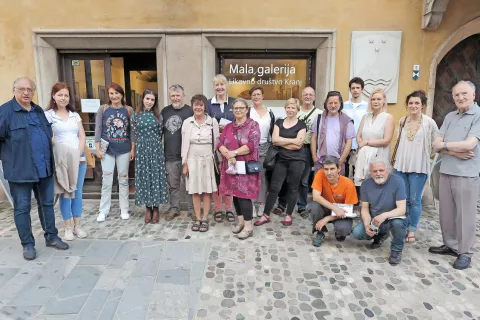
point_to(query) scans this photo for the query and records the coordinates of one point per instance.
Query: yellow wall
(18, 18)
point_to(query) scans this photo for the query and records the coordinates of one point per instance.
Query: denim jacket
(15, 142)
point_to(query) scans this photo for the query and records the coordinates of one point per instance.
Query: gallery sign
(281, 79)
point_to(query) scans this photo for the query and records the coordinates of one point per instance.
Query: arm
(463, 146)
(346, 151)
(397, 212)
(313, 147)
(81, 137)
(298, 141)
(277, 140)
(98, 132)
(387, 137)
(317, 197)
(359, 133)
(366, 218)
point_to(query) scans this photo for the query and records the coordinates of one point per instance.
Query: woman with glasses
(416, 135)
(374, 135)
(68, 130)
(266, 121)
(288, 136)
(239, 142)
(114, 132)
(150, 178)
(332, 132)
(220, 108)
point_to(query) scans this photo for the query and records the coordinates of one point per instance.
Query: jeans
(243, 207)
(283, 170)
(305, 179)
(342, 227)
(414, 183)
(174, 170)
(398, 228)
(73, 207)
(108, 165)
(22, 197)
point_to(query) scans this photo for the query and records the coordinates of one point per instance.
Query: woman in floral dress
(150, 179)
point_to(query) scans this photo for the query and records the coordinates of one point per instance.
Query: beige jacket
(187, 128)
(67, 161)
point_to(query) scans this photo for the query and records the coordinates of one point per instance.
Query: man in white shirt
(355, 108)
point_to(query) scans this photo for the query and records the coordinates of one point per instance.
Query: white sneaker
(101, 217)
(69, 234)
(79, 232)
(255, 212)
(125, 216)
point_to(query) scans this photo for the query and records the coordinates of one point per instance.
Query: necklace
(408, 130)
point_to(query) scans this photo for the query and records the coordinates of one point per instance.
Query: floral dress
(150, 178)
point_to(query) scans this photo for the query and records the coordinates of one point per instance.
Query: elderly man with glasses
(27, 158)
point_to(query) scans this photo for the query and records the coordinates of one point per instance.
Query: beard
(177, 105)
(380, 179)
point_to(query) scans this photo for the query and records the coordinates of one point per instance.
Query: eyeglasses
(238, 108)
(23, 90)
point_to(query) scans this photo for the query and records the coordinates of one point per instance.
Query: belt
(306, 145)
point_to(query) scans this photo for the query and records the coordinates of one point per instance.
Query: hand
(185, 170)
(315, 158)
(232, 160)
(220, 128)
(341, 213)
(378, 220)
(437, 146)
(464, 155)
(369, 231)
(321, 223)
(231, 154)
(341, 162)
(132, 155)
(298, 142)
(99, 154)
(362, 144)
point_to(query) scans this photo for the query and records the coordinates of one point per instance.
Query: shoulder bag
(216, 165)
(251, 167)
(394, 155)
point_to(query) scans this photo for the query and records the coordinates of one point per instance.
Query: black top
(172, 130)
(290, 133)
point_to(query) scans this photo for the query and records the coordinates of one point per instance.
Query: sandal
(204, 226)
(230, 216)
(219, 216)
(410, 238)
(245, 234)
(196, 226)
(264, 219)
(278, 210)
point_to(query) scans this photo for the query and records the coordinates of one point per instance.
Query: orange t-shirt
(344, 192)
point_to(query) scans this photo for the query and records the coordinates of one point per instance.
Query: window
(282, 75)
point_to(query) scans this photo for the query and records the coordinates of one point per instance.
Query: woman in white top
(266, 120)
(68, 130)
(374, 135)
(412, 159)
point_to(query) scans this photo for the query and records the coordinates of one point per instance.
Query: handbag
(270, 157)
(251, 167)
(427, 196)
(215, 161)
(90, 158)
(394, 155)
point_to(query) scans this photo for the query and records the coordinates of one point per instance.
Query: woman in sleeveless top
(374, 135)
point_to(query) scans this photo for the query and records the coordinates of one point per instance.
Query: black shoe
(378, 241)
(57, 244)
(395, 257)
(341, 238)
(317, 242)
(444, 250)
(304, 213)
(463, 262)
(29, 253)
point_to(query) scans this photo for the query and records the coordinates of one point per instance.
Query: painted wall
(18, 18)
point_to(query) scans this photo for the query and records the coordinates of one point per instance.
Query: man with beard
(383, 206)
(172, 120)
(330, 189)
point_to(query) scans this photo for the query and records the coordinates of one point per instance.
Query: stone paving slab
(129, 270)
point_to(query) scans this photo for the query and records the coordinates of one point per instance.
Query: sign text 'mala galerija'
(244, 69)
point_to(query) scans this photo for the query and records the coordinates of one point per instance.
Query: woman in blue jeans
(68, 130)
(416, 134)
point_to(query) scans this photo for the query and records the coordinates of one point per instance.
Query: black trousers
(342, 227)
(243, 207)
(291, 171)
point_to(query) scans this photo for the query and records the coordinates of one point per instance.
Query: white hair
(177, 88)
(34, 87)
(377, 161)
(469, 83)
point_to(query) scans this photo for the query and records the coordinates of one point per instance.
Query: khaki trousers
(458, 211)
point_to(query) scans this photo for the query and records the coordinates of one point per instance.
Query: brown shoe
(148, 215)
(156, 215)
(172, 215)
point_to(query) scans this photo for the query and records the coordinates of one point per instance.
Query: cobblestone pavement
(128, 270)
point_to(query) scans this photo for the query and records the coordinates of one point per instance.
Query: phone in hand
(374, 227)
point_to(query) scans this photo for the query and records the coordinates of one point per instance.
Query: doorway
(89, 75)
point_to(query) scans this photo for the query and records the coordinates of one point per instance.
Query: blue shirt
(383, 197)
(356, 111)
(40, 145)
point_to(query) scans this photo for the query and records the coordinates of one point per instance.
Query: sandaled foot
(204, 226)
(237, 228)
(410, 238)
(278, 210)
(196, 225)
(245, 234)
(219, 216)
(230, 216)
(264, 219)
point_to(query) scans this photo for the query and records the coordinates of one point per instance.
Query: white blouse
(263, 122)
(65, 132)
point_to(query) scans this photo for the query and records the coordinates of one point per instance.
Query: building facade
(282, 45)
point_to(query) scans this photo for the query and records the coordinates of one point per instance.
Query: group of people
(219, 148)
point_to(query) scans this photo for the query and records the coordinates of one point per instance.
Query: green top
(302, 115)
